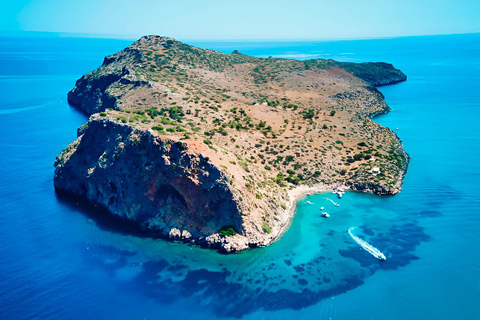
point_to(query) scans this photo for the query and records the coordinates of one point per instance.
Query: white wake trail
(367, 246)
(335, 204)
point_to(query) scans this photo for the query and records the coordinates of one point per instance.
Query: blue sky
(244, 19)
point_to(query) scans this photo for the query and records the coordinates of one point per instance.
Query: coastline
(427, 231)
(183, 175)
(297, 194)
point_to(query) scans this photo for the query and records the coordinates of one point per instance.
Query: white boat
(339, 192)
(321, 208)
(325, 215)
(309, 202)
(367, 246)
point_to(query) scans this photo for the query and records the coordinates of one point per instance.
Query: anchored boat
(338, 191)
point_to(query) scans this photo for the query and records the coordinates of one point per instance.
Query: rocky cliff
(205, 147)
(375, 73)
(148, 180)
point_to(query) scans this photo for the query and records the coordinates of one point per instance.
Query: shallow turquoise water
(60, 260)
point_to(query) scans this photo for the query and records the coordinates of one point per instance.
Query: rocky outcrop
(151, 181)
(374, 73)
(101, 89)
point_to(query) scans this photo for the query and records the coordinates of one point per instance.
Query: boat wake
(334, 203)
(367, 246)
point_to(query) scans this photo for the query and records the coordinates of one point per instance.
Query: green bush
(266, 228)
(121, 118)
(158, 128)
(227, 231)
(358, 156)
(308, 114)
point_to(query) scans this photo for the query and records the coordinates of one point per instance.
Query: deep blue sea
(60, 260)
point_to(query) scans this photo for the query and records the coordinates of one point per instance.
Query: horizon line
(13, 33)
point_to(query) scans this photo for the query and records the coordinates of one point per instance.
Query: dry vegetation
(269, 123)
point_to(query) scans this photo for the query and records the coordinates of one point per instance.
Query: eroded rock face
(151, 181)
(100, 89)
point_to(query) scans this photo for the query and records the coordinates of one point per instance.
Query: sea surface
(63, 260)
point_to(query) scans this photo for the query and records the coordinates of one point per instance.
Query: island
(215, 149)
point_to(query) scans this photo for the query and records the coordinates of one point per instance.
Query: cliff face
(149, 180)
(200, 146)
(101, 89)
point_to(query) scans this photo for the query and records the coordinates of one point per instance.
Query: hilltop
(213, 148)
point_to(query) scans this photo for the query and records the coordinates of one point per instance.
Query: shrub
(358, 156)
(103, 114)
(309, 114)
(165, 121)
(121, 118)
(158, 128)
(227, 231)
(332, 113)
(266, 228)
